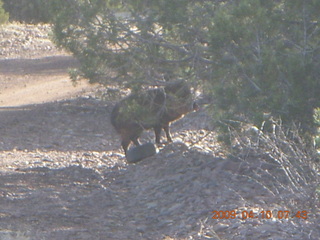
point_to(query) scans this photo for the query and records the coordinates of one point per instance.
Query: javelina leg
(136, 141)
(157, 132)
(125, 143)
(167, 131)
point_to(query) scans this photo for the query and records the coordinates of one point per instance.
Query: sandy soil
(32, 70)
(64, 176)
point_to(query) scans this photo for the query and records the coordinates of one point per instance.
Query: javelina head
(179, 99)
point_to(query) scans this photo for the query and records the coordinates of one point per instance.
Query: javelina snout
(155, 108)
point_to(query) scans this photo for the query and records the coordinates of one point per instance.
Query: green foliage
(3, 15)
(137, 41)
(255, 57)
(269, 60)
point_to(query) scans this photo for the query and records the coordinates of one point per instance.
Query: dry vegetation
(64, 176)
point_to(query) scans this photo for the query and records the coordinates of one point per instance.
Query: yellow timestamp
(265, 214)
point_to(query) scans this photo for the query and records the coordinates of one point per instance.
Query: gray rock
(141, 152)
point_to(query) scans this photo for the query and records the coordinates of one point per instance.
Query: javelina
(155, 108)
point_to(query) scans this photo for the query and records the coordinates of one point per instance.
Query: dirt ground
(64, 176)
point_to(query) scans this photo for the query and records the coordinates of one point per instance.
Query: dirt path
(32, 69)
(35, 81)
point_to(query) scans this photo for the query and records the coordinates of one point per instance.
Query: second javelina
(179, 101)
(155, 108)
(137, 112)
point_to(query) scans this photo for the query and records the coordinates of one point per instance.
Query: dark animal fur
(155, 108)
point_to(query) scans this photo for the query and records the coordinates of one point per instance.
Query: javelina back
(155, 108)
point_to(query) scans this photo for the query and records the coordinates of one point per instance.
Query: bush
(133, 43)
(3, 15)
(281, 162)
(255, 58)
(268, 62)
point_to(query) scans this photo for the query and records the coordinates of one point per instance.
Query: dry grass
(282, 163)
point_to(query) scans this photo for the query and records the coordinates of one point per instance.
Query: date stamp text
(265, 214)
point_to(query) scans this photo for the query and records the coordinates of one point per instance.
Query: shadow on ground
(39, 66)
(78, 124)
(81, 124)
